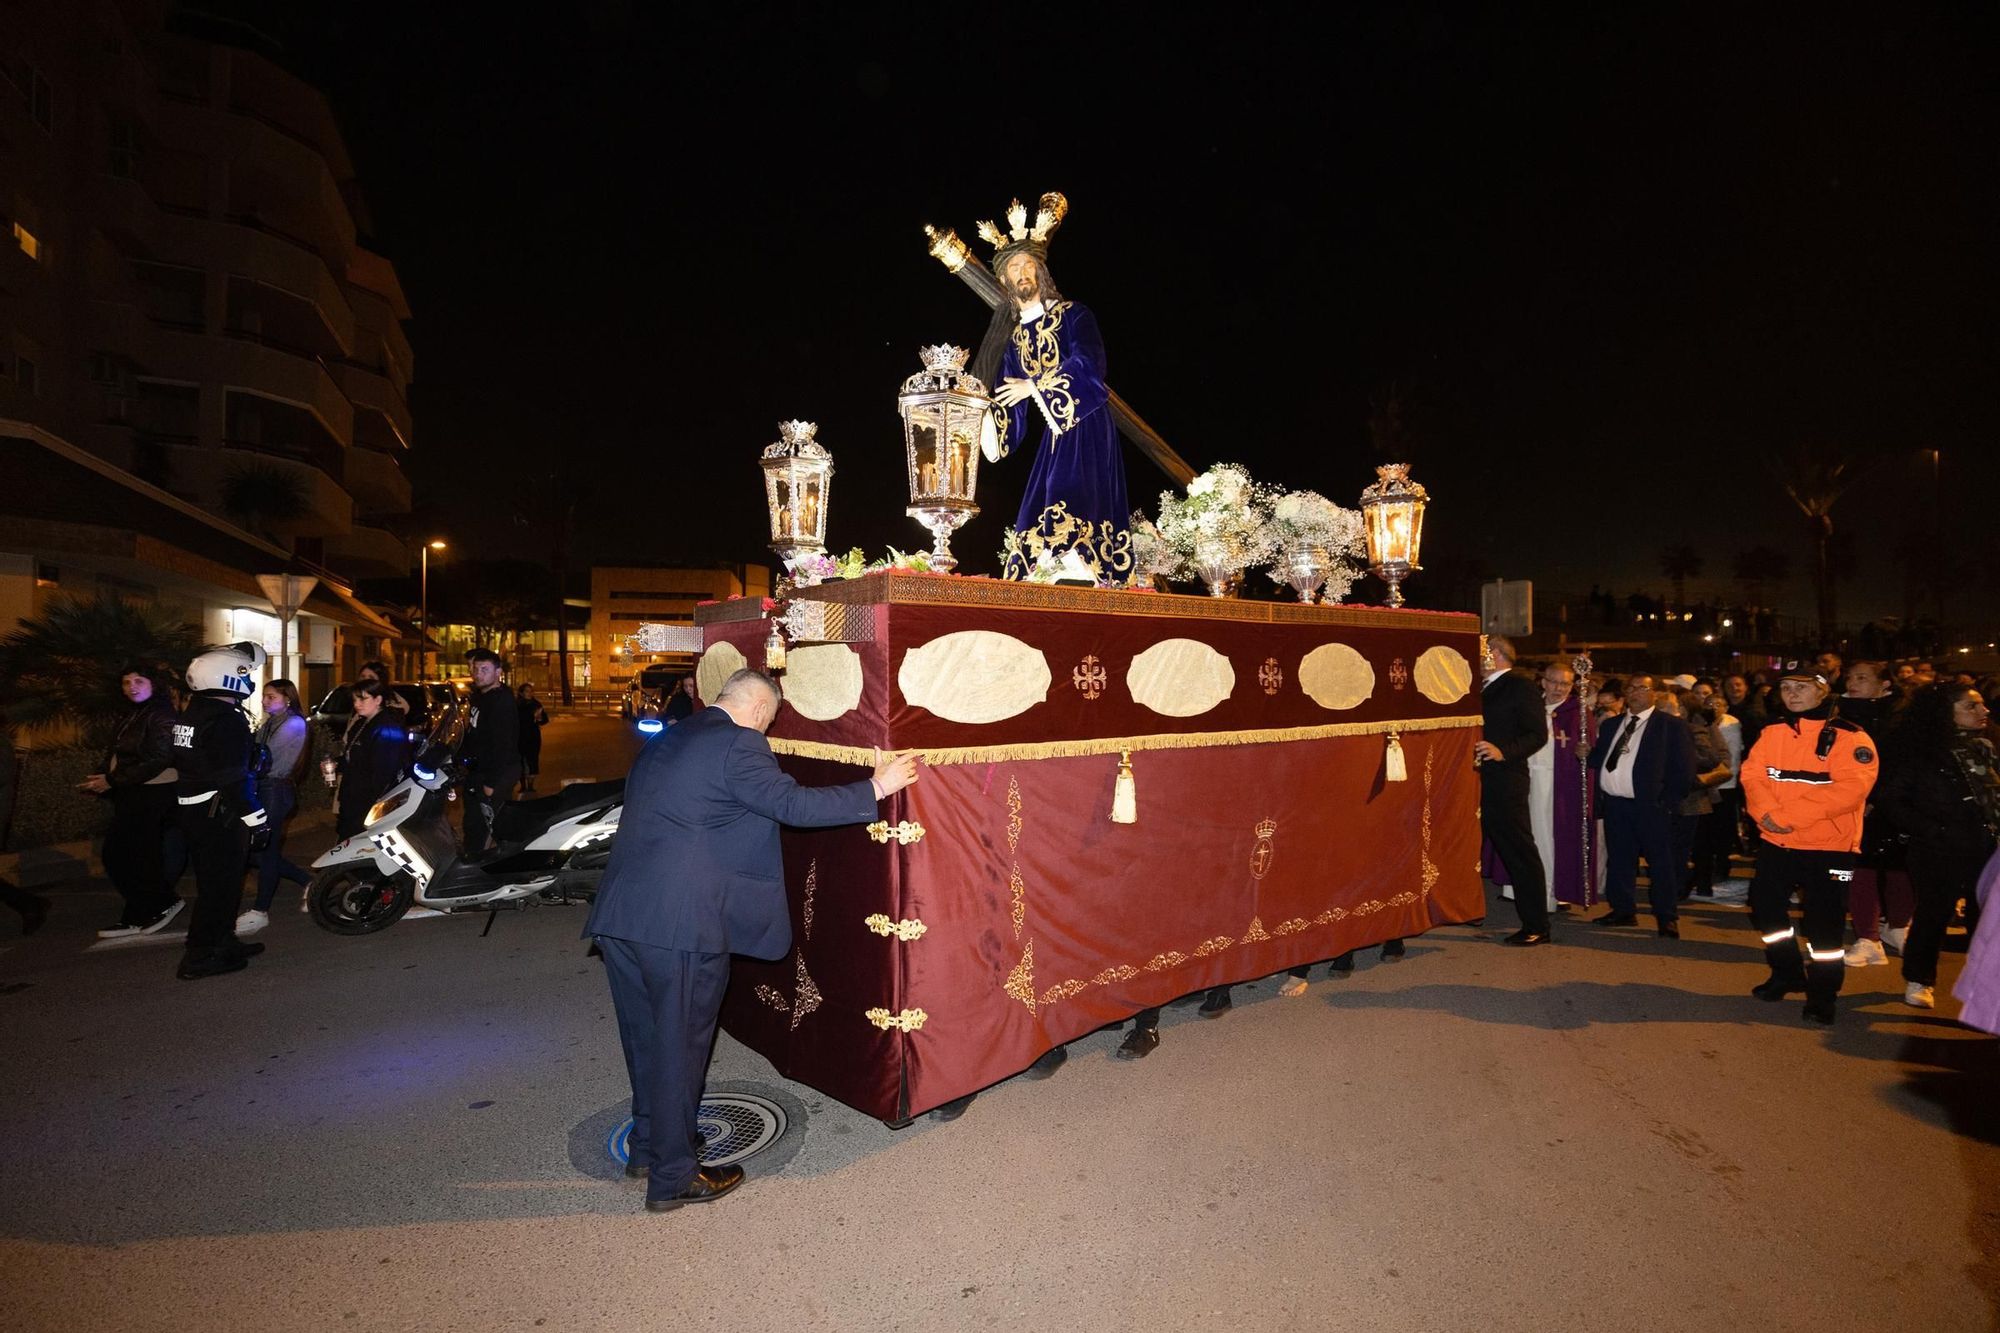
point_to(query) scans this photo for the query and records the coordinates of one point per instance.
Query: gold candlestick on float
(946, 414)
(1392, 512)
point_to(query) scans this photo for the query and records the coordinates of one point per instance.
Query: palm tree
(1681, 563)
(62, 666)
(1815, 479)
(263, 497)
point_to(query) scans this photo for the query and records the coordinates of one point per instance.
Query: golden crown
(1266, 828)
(1019, 237)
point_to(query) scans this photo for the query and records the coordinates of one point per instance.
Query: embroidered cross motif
(1271, 676)
(1399, 675)
(1089, 677)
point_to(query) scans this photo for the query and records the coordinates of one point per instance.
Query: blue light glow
(651, 725)
(424, 773)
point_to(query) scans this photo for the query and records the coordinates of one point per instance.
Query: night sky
(1608, 260)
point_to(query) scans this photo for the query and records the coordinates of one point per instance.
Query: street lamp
(424, 607)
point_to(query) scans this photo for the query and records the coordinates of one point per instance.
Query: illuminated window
(30, 245)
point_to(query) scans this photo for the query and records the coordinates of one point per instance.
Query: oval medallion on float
(1180, 678)
(822, 681)
(975, 676)
(1443, 675)
(717, 665)
(1334, 675)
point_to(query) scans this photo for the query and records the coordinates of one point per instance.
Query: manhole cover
(733, 1126)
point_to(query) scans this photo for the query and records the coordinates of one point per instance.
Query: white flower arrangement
(1308, 521)
(1151, 552)
(1223, 524)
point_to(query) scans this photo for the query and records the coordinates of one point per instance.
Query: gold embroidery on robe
(1041, 364)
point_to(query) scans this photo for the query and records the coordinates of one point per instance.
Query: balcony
(241, 362)
(367, 553)
(373, 395)
(199, 474)
(259, 253)
(376, 482)
(273, 163)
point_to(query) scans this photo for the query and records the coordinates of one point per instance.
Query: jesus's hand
(1013, 391)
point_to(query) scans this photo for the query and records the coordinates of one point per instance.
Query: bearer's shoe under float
(1049, 1063)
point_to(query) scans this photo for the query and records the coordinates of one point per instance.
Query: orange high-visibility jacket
(1819, 800)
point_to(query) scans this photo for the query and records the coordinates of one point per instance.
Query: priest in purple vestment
(1051, 379)
(1561, 796)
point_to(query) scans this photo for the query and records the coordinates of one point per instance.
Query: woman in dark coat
(137, 773)
(377, 749)
(1940, 790)
(533, 718)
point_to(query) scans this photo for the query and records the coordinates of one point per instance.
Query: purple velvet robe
(1075, 499)
(1978, 987)
(1573, 876)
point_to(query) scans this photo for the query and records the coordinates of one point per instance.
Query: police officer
(1806, 783)
(220, 815)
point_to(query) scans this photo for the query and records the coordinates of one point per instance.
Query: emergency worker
(1805, 784)
(220, 815)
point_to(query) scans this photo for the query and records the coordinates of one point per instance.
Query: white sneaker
(1919, 997)
(252, 921)
(1893, 936)
(1861, 953)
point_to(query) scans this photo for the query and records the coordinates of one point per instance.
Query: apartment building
(186, 291)
(623, 597)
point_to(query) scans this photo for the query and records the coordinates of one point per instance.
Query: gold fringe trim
(1000, 754)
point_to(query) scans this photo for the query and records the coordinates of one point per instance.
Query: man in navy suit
(696, 875)
(1644, 761)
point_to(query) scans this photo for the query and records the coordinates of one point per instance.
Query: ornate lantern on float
(1392, 513)
(947, 421)
(798, 471)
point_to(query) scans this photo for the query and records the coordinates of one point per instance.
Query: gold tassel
(1397, 771)
(1124, 795)
(774, 650)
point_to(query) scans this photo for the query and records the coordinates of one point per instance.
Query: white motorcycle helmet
(227, 666)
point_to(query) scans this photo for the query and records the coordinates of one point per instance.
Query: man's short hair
(484, 655)
(1560, 666)
(741, 682)
(1501, 646)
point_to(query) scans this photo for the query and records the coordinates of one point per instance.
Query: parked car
(648, 692)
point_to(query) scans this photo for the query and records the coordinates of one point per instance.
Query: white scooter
(549, 850)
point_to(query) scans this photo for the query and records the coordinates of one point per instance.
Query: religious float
(1129, 794)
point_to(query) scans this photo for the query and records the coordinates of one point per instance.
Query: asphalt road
(407, 1132)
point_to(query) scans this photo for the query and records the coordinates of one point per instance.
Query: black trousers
(135, 849)
(1629, 833)
(218, 846)
(1940, 874)
(667, 1002)
(1822, 880)
(1503, 817)
(482, 810)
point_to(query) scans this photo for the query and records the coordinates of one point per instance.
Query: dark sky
(1612, 258)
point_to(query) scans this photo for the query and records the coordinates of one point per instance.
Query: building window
(26, 375)
(47, 576)
(31, 245)
(650, 596)
(41, 100)
(644, 617)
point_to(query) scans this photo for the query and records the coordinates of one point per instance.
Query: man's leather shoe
(1049, 1063)
(1820, 1012)
(1138, 1044)
(711, 1182)
(952, 1110)
(1392, 950)
(244, 949)
(1772, 989)
(1671, 929)
(636, 1171)
(1617, 919)
(1216, 1003)
(1526, 938)
(210, 963)
(1342, 966)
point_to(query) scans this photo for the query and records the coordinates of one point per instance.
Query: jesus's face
(1023, 281)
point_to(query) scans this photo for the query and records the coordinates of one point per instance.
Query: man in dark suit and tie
(1513, 726)
(1644, 761)
(695, 875)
